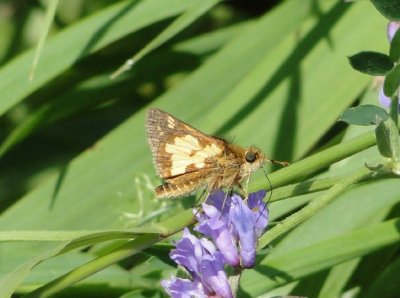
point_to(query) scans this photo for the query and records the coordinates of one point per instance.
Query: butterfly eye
(250, 156)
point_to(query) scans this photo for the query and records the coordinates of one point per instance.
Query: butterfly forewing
(179, 148)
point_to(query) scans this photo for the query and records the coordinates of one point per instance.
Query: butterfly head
(253, 159)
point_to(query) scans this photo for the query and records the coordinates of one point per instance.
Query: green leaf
(305, 213)
(388, 8)
(386, 285)
(44, 264)
(392, 81)
(10, 281)
(75, 239)
(183, 21)
(364, 115)
(372, 63)
(79, 40)
(387, 138)
(278, 270)
(131, 248)
(325, 225)
(394, 52)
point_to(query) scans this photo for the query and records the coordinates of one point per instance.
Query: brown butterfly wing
(178, 148)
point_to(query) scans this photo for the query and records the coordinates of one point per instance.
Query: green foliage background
(74, 155)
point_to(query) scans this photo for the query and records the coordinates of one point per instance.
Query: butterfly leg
(226, 198)
(244, 188)
(198, 206)
(207, 192)
(229, 190)
(247, 187)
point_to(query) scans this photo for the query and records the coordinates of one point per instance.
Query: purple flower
(204, 263)
(235, 228)
(255, 203)
(244, 223)
(383, 99)
(391, 29)
(189, 252)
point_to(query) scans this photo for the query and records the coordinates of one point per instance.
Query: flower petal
(384, 100)
(391, 29)
(214, 277)
(189, 251)
(244, 220)
(216, 227)
(260, 210)
(183, 288)
(220, 200)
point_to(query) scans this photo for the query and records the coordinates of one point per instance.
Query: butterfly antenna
(270, 185)
(270, 193)
(228, 192)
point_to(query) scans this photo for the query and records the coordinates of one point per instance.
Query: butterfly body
(187, 159)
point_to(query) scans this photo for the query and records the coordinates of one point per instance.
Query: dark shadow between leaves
(60, 179)
(102, 30)
(288, 121)
(21, 12)
(279, 276)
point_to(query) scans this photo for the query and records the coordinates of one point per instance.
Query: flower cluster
(391, 30)
(234, 228)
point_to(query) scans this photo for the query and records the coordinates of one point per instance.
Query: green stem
(170, 226)
(313, 207)
(314, 185)
(90, 268)
(302, 188)
(234, 280)
(394, 108)
(316, 162)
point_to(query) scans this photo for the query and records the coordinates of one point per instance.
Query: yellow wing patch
(186, 151)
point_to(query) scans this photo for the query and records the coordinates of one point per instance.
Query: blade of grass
(180, 23)
(79, 40)
(50, 13)
(172, 225)
(73, 235)
(12, 280)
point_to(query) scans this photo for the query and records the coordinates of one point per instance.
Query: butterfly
(188, 159)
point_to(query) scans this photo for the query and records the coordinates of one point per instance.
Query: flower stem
(315, 185)
(313, 207)
(316, 162)
(234, 280)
